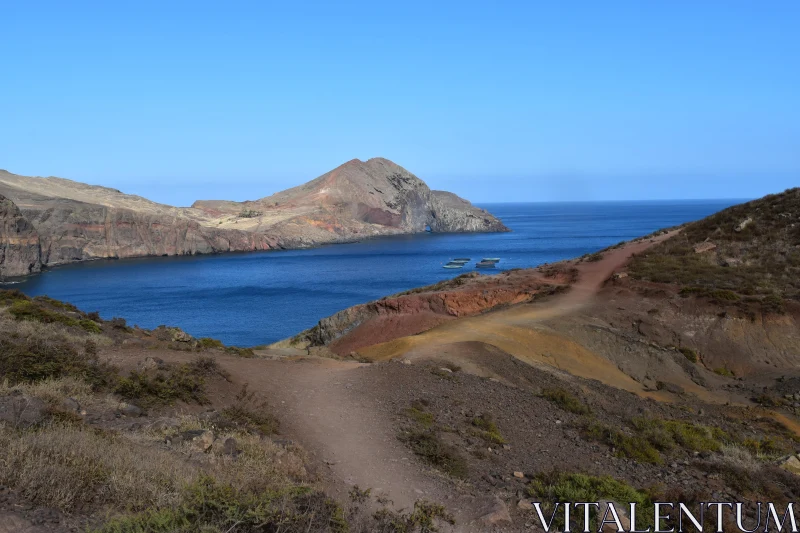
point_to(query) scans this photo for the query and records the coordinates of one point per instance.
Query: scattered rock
(525, 505)
(406, 361)
(22, 411)
(519, 475)
(730, 262)
(704, 247)
(443, 369)
(230, 447)
(202, 439)
(792, 464)
(497, 515)
(622, 514)
(71, 404)
(180, 336)
(743, 224)
(128, 409)
(151, 363)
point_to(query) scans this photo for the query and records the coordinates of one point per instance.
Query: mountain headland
(360, 199)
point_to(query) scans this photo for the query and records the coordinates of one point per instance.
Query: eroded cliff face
(78, 222)
(73, 232)
(19, 242)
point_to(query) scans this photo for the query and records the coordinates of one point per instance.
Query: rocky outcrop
(78, 222)
(19, 242)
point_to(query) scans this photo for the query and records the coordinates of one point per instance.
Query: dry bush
(58, 391)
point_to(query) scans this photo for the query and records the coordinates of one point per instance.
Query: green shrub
(667, 435)
(58, 304)
(724, 371)
(632, 446)
(724, 294)
(90, 326)
(8, 296)
(565, 400)
(557, 487)
(241, 352)
(690, 354)
(208, 343)
(31, 310)
(419, 416)
(484, 427)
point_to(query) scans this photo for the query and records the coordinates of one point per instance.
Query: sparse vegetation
(250, 213)
(185, 382)
(249, 413)
(689, 353)
(565, 400)
(754, 254)
(724, 371)
(429, 446)
(648, 438)
(423, 439)
(419, 416)
(422, 519)
(483, 426)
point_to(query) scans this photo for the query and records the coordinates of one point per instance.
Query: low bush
(565, 400)
(423, 518)
(420, 416)
(250, 413)
(31, 310)
(427, 444)
(484, 427)
(559, 487)
(185, 382)
(690, 354)
(38, 358)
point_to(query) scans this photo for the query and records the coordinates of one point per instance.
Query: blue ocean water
(257, 298)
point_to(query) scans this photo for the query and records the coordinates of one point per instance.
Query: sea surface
(248, 299)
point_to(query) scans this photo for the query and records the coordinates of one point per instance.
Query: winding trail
(519, 331)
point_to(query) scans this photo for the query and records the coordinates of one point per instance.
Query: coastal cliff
(73, 221)
(19, 242)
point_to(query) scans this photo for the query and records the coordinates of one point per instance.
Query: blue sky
(497, 101)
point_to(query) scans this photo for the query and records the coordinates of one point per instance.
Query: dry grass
(71, 468)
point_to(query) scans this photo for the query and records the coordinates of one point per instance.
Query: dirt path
(520, 332)
(352, 440)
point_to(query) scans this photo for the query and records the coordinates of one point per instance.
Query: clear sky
(497, 101)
